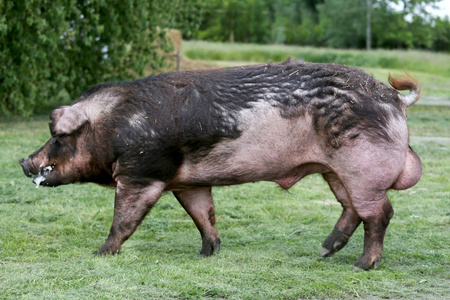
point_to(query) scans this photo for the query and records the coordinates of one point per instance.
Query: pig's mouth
(42, 175)
(43, 172)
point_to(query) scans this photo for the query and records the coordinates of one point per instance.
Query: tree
(343, 22)
(236, 20)
(441, 41)
(53, 50)
(369, 25)
(390, 27)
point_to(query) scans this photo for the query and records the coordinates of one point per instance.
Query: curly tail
(406, 82)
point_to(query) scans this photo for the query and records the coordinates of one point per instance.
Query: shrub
(53, 50)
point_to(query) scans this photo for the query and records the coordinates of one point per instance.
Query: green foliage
(224, 21)
(441, 41)
(51, 51)
(343, 25)
(325, 23)
(252, 21)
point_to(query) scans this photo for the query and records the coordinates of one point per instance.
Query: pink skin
(364, 176)
(359, 174)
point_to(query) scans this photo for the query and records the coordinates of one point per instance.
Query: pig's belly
(250, 165)
(270, 148)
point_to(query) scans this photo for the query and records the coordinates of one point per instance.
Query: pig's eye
(56, 142)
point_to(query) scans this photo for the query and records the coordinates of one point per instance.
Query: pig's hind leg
(132, 203)
(368, 196)
(199, 205)
(376, 211)
(347, 223)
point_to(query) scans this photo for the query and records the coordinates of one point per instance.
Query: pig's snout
(25, 167)
(40, 174)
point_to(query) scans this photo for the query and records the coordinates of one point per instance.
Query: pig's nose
(25, 167)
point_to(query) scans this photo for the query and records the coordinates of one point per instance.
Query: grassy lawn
(271, 239)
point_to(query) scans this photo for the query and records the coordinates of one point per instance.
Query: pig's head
(61, 159)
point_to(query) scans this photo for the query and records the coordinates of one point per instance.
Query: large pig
(186, 132)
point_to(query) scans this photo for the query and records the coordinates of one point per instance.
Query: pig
(186, 132)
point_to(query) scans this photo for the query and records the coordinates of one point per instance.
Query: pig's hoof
(356, 268)
(101, 253)
(334, 242)
(106, 250)
(209, 247)
(326, 252)
(209, 251)
(366, 264)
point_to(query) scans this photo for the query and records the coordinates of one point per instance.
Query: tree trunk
(368, 26)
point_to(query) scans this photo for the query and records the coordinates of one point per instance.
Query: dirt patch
(424, 139)
(186, 64)
(434, 101)
(174, 37)
(327, 202)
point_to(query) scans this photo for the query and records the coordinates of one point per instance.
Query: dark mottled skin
(185, 132)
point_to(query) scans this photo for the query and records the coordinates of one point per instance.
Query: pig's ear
(67, 119)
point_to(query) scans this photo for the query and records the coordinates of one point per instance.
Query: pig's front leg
(199, 205)
(132, 203)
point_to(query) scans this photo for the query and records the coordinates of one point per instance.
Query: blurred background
(51, 51)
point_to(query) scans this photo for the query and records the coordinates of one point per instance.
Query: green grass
(431, 69)
(271, 239)
(429, 121)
